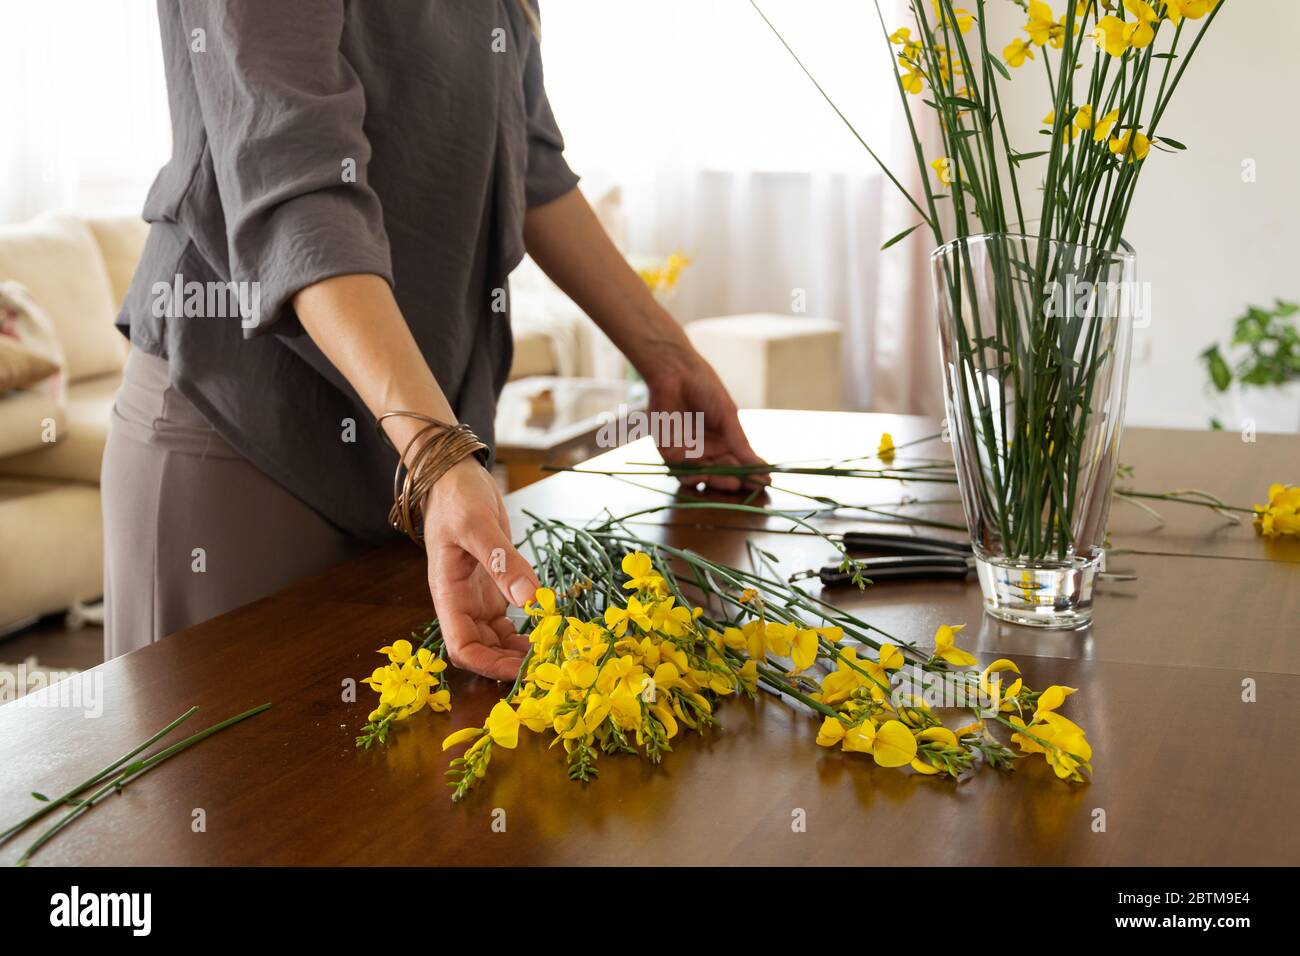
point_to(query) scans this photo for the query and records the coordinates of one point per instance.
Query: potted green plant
(1260, 376)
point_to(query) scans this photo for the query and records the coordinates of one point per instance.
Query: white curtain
(722, 148)
(83, 105)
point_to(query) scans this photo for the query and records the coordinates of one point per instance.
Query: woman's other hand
(475, 572)
(708, 431)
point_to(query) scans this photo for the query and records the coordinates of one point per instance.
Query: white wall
(1207, 241)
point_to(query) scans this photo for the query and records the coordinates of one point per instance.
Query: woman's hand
(474, 572)
(709, 424)
(564, 237)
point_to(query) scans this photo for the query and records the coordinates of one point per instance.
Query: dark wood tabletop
(1186, 771)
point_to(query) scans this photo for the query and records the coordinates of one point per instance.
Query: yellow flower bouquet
(635, 645)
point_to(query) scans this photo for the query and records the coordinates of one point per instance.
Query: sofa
(78, 269)
(51, 547)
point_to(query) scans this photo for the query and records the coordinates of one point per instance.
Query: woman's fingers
(738, 442)
(474, 646)
(716, 482)
(509, 570)
(511, 638)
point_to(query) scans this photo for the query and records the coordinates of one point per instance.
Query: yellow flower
(831, 733)
(803, 651)
(1051, 699)
(748, 675)
(1050, 122)
(1016, 51)
(1102, 126)
(542, 603)
(670, 618)
(945, 649)
(1282, 513)
(891, 658)
(1109, 35)
(429, 666)
(839, 685)
(943, 169)
(962, 17)
(934, 735)
(664, 714)
(780, 637)
(833, 634)
(399, 652)
(462, 736)
(503, 725)
(911, 80)
(1139, 32)
(901, 36)
(1175, 10)
(580, 673)
(543, 635)
(1002, 700)
(885, 450)
(569, 726)
(1063, 744)
(861, 739)
(618, 618)
(1137, 151)
(641, 573)
(894, 745)
(533, 715)
(1043, 27)
(395, 689)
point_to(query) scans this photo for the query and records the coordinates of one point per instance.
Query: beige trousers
(191, 529)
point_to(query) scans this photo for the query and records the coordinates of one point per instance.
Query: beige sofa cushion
(20, 368)
(534, 355)
(77, 454)
(27, 418)
(51, 547)
(57, 259)
(121, 239)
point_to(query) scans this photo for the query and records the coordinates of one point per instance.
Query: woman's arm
(568, 242)
(473, 568)
(281, 107)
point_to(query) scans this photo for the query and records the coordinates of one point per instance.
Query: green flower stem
(133, 771)
(1187, 497)
(845, 120)
(67, 798)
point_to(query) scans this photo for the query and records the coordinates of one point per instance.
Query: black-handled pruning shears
(902, 557)
(897, 557)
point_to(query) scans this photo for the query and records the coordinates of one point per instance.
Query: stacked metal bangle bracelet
(439, 447)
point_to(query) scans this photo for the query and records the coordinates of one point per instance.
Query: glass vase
(1034, 341)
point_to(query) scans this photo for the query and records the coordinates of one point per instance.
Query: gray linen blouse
(316, 138)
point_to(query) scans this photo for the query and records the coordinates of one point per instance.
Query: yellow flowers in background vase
(661, 277)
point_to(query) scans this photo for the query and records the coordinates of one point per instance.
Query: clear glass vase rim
(1124, 252)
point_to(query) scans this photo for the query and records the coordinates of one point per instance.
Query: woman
(360, 178)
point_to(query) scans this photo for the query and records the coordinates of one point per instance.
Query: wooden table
(1186, 772)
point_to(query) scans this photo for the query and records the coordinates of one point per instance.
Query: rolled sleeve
(549, 176)
(283, 111)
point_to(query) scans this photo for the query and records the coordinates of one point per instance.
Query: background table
(551, 420)
(1186, 772)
